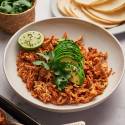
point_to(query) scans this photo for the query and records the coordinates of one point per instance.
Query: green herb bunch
(14, 6)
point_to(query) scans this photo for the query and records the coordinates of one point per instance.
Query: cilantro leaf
(61, 82)
(41, 63)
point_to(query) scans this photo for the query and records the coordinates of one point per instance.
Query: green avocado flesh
(67, 45)
(68, 52)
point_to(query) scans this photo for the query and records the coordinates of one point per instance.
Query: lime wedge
(31, 40)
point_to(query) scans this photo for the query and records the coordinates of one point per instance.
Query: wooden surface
(111, 112)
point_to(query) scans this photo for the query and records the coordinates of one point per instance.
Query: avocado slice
(68, 47)
(67, 52)
(67, 44)
(77, 73)
(69, 60)
(77, 77)
(68, 55)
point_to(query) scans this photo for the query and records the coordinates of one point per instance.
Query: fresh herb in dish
(66, 62)
(62, 71)
(14, 6)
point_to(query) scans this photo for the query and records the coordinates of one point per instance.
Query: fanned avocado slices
(68, 52)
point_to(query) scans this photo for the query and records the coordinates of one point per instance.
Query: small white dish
(94, 36)
(115, 30)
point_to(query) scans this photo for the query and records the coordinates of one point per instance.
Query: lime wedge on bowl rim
(31, 40)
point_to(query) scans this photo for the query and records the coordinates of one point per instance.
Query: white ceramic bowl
(94, 36)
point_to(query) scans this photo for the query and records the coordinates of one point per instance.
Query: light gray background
(111, 112)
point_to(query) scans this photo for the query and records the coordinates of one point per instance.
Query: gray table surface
(111, 112)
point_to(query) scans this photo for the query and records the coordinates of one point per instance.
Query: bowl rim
(79, 108)
(26, 11)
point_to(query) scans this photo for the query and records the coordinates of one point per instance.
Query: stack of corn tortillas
(106, 13)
